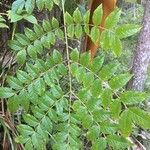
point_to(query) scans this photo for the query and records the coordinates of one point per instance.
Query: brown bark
(142, 54)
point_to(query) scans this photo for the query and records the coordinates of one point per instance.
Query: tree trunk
(142, 54)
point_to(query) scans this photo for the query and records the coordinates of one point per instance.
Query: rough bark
(142, 53)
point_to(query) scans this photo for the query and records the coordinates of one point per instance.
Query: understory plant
(71, 102)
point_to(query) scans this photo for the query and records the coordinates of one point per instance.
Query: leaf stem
(69, 67)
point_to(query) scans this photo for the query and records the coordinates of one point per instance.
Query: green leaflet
(88, 79)
(108, 70)
(106, 97)
(59, 33)
(125, 123)
(77, 16)
(116, 46)
(118, 142)
(29, 6)
(97, 64)
(127, 30)
(95, 34)
(87, 29)
(21, 57)
(30, 34)
(96, 88)
(38, 30)
(133, 97)
(15, 45)
(85, 59)
(24, 129)
(6, 92)
(57, 56)
(13, 104)
(78, 31)
(3, 25)
(93, 133)
(31, 120)
(56, 2)
(113, 19)
(115, 108)
(2, 22)
(49, 4)
(97, 16)
(119, 81)
(32, 70)
(22, 99)
(41, 4)
(32, 52)
(108, 127)
(18, 5)
(70, 30)
(140, 117)
(99, 144)
(106, 40)
(68, 18)
(87, 17)
(14, 83)
(74, 55)
(46, 25)
(55, 23)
